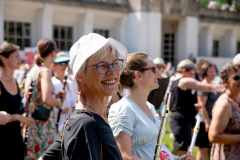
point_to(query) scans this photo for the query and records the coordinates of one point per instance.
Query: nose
(110, 69)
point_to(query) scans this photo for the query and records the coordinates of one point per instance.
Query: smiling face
(149, 77)
(234, 85)
(100, 84)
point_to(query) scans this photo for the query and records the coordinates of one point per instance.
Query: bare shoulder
(222, 106)
(45, 72)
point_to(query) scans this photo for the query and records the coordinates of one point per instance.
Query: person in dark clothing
(96, 63)
(183, 100)
(10, 133)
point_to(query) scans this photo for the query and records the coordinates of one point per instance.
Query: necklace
(6, 78)
(233, 99)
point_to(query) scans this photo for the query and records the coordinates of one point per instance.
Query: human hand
(29, 121)
(29, 108)
(197, 106)
(187, 156)
(4, 117)
(207, 126)
(61, 95)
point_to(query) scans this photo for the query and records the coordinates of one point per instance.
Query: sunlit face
(149, 77)
(101, 84)
(60, 67)
(234, 85)
(211, 73)
(14, 60)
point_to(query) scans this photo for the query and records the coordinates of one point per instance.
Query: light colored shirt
(69, 101)
(126, 116)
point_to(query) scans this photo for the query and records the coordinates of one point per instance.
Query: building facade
(172, 29)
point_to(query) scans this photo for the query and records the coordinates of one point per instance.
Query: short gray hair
(187, 64)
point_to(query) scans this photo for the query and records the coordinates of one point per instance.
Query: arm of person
(202, 100)
(46, 87)
(53, 152)
(124, 143)
(29, 121)
(190, 83)
(4, 117)
(220, 118)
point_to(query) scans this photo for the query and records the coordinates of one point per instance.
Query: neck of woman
(94, 104)
(59, 76)
(7, 73)
(235, 96)
(138, 95)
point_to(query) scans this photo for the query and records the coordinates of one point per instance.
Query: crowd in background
(34, 109)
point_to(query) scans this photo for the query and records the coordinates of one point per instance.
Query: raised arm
(190, 83)
(220, 118)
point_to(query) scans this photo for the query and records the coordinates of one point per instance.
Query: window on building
(238, 47)
(215, 48)
(63, 36)
(18, 33)
(103, 32)
(168, 47)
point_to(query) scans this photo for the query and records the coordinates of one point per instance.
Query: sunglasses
(236, 77)
(153, 69)
(63, 63)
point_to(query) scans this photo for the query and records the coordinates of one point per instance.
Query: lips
(109, 81)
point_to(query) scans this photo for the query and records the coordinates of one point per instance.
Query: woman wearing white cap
(96, 63)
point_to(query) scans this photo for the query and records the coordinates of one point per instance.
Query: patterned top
(44, 134)
(230, 151)
(126, 116)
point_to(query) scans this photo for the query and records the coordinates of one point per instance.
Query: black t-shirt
(83, 137)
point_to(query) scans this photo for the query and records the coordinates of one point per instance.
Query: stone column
(85, 24)
(1, 21)
(205, 45)
(44, 23)
(187, 38)
(228, 44)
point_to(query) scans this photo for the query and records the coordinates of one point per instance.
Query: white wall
(187, 38)
(205, 42)
(1, 21)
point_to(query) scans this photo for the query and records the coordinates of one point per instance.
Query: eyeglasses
(236, 77)
(103, 67)
(159, 67)
(63, 63)
(153, 69)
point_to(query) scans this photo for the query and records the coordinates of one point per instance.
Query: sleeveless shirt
(182, 103)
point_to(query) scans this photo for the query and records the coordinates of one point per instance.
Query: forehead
(107, 58)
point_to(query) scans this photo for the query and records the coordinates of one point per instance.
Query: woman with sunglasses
(60, 79)
(224, 131)
(133, 120)
(96, 63)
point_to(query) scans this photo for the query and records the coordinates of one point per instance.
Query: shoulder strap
(63, 136)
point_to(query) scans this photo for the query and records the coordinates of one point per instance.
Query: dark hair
(229, 67)
(204, 68)
(6, 50)
(135, 62)
(45, 47)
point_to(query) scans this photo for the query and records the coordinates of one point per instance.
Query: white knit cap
(88, 45)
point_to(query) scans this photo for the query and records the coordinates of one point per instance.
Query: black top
(182, 103)
(156, 96)
(11, 132)
(83, 137)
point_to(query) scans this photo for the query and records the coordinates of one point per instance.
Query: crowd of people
(103, 103)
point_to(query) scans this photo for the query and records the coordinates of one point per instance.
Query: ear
(183, 70)
(4, 60)
(138, 75)
(80, 78)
